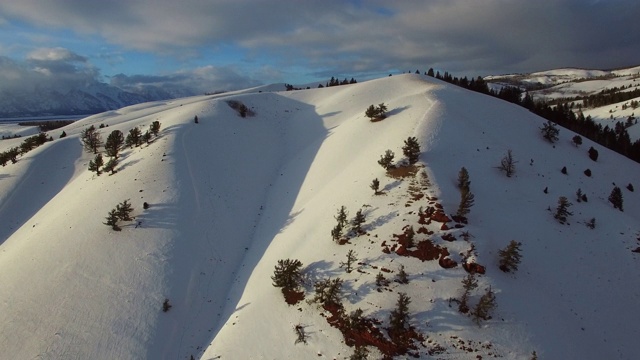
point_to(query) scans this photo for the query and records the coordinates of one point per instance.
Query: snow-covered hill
(229, 196)
(571, 86)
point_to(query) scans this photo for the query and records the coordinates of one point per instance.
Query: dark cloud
(363, 37)
(192, 82)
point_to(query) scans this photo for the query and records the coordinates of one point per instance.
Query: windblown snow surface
(230, 196)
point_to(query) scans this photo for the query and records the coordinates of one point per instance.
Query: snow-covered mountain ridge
(229, 196)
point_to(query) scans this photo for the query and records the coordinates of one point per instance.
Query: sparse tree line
(27, 145)
(116, 141)
(616, 139)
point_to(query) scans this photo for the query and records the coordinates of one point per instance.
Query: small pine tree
(550, 131)
(410, 235)
(577, 140)
(562, 211)
(166, 306)
(155, 128)
(336, 233)
(63, 135)
(466, 202)
(341, 217)
(195, 119)
(469, 283)
(615, 198)
(371, 112)
(564, 170)
(381, 280)
(327, 291)
(402, 276)
(591, 224)
(146, 138)
(386, 160)
(287, 274)
(91, 139)
(124, 210)
(463, 179)
(510, 257)
(579, 195)
(112, 220)
(114, 143)
(375, 186)
(134, 138)
(630, 187)
(399, 317)
(351, 259)
(508, 164)
(411, 149)
(96, 164)
(356, 223)
(484, 307)
(111, 165)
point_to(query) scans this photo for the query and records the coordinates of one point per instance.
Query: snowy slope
(230, 196)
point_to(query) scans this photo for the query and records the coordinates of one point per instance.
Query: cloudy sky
(224, 44)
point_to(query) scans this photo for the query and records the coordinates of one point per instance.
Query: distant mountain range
(92, 99)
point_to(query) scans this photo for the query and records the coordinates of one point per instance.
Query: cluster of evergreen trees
(616, 139)
(27, 145)
(92, 140)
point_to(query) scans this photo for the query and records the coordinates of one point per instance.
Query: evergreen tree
(402, 277)
(327, 291)
(351, 258)
(469, 283)
(195, 119)
(508, 164)
(562, 211)
(386, 160)
(593, 154)
(381, 280)
(430, 72)
(96, 164)
(510, 257)
(155, 128)
(124, 210)
(371, 112)
(375, 186)
(63, 135)
(399, 317)
(550, 131)
(463, 178)
(336, 232)
(410, 235)
(287, 274)
(577, 140)
(112, 220)
(411, 149)
(146, 138)
(485, 306)
(91, 139)
(615, 198)
(341, 217)
(356, 223)
(114, 143)
(466, 202)
(134, 138)
(111, 165)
